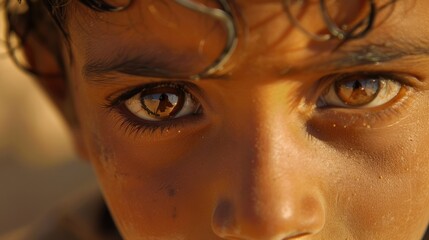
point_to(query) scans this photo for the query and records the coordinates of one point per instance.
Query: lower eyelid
(132, 125)
(366, 118)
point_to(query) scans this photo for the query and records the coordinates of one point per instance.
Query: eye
(360, 91)
(160, 103)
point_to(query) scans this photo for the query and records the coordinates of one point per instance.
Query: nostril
(312, 215)
(223, 220)
(296, 236)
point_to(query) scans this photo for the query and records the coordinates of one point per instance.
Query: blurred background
(38, 168)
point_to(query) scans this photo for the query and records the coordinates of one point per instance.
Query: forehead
(192, 40)
(252, 14)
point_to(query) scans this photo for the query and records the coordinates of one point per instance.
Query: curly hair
(42, 20)
(45, 20)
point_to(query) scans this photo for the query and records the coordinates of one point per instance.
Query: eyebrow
(151, 62)
(369, 53)
(157, 63)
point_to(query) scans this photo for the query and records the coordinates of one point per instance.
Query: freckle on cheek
(104, 154)
(171, 192)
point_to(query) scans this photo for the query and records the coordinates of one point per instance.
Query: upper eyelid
(404, 78)
(123, 95)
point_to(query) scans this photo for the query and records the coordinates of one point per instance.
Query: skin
(262, 161)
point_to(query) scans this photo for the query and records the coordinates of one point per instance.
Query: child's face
(294, 140)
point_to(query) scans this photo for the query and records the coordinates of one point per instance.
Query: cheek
(145, 206)
(389, 207)
(379, 183)
(385, 190)
(144, 202)
(157, 189)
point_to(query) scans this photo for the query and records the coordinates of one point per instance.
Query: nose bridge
(275, 198)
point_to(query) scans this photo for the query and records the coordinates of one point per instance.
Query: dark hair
(39, 19)
(43, 20)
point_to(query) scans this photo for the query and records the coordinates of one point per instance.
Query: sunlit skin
(262, 159)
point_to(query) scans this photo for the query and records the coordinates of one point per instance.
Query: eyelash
(135, 125)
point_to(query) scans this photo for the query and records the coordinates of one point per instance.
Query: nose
(274, 195)
(269, 216)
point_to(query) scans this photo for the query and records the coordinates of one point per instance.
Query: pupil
(357, 85)
(357, 92)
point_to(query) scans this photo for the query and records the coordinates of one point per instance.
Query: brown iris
(162, 103)
(357, 92)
